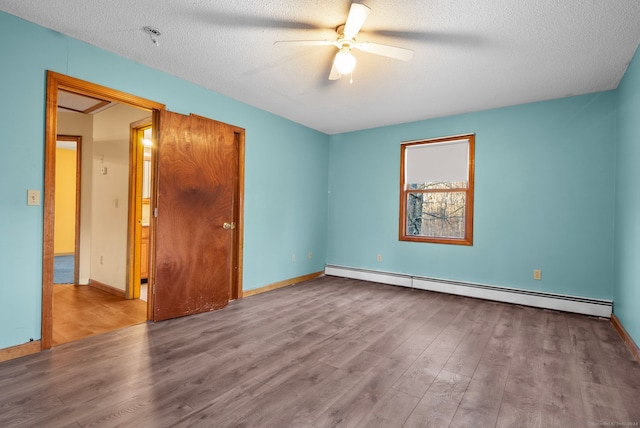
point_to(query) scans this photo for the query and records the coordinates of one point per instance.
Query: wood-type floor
(84, 311)
(335, 352)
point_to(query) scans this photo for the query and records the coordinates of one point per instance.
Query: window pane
(438, 185)
(437, 162)
(438, 214)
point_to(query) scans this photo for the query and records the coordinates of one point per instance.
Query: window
(436, 190)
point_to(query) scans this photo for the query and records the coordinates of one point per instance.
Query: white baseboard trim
(538, 299)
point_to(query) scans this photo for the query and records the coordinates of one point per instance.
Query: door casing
(55, 82)
(136, 160)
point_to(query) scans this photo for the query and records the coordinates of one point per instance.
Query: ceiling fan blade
(395, 52)
(230, 19)
(334, 74)
(440, 37)
(357, 15)
(306, 42)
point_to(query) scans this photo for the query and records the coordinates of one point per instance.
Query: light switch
(33, 197)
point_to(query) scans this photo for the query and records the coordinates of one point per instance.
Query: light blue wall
(285, 181)
(627, 233)
(543, 198)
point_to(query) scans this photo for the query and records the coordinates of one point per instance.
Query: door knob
(227, 226)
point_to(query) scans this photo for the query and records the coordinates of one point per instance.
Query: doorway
(97, 302)
(207, 137)
(67, 208)
(102, 170)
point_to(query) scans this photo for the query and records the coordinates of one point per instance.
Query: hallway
(84, 311)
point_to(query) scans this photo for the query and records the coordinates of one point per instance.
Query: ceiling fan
(344, 61)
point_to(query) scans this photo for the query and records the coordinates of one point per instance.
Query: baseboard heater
(560, 302)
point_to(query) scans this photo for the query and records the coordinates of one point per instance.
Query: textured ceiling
(469, 54)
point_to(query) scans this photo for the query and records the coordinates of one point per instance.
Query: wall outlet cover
(33, 197)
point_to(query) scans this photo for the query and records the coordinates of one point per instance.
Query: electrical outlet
(310, 255)
(379, 258)
(537, 274)
(101, 260)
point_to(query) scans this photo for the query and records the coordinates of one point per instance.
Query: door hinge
(155, 212)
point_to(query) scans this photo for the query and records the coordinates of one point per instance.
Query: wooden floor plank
(561, 396)
(391, 411)
(440, 402)
(334, 352)
(521, 405)
(481, 401)
(358, 402)
(26, 410)
(312, 403)
(82, 311)
(280, 399)
(468, 352)
(448, 333)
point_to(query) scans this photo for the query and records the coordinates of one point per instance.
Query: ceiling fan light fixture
(344, 62)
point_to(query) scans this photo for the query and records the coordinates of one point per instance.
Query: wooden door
(196, 186)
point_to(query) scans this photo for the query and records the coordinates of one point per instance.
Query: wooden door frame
(136, 160)
(55, 82)
(238, 206)
(76, 248)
